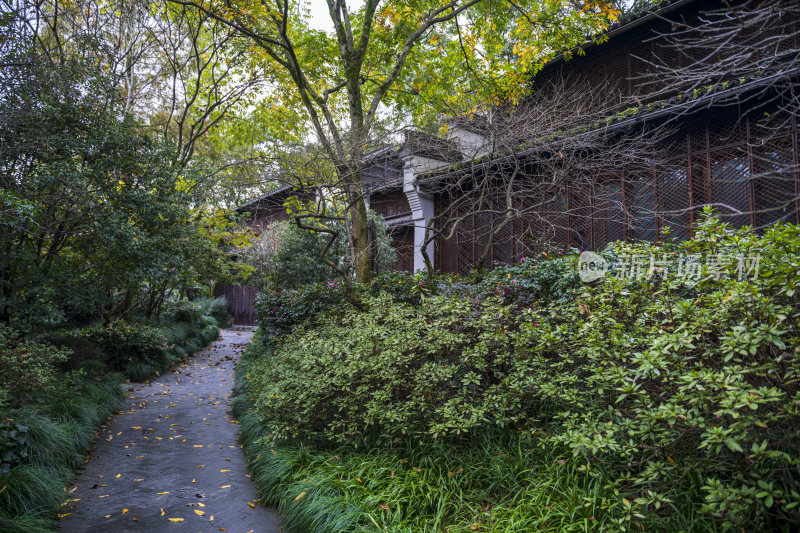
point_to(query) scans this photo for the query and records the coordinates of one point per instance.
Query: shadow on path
(170, 462)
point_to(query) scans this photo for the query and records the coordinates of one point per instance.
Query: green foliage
(42, 443)
(287, 256)
(280, 311)
(217, 308)
(683, 390)
(124, 344)
(96, 220)
(402, 286)
(28, 367)
(550, 277)
(394, 370)
(499, 481)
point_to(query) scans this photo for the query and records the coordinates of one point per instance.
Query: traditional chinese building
(720, 151)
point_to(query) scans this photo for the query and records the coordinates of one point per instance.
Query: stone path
(170, 461)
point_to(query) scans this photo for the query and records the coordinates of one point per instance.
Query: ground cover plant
(675, 396)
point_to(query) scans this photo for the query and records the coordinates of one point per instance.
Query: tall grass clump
(43, 443)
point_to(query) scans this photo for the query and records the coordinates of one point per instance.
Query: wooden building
(720, 152)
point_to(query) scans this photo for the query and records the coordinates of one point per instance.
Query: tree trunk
(360, 237)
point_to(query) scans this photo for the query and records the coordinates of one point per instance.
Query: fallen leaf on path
(201, 504)
(63, 515)
(252, 505)
(175, 519)
(198, 512)
(124, 511)
(162, 511)
(224, 471)
(162, 493)
(224, 486)
(118, 476)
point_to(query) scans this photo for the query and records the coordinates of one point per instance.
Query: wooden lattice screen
(749, 173)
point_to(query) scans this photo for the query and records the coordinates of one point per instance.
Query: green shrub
(280, 311)
(287, 257)
(218, 309)
(685, 391)
(125, 344)
(42, 443)
(28, 368)
(403, 287)
(500, 481)
(394, 370)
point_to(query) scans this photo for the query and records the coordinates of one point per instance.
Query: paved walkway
(171, 462)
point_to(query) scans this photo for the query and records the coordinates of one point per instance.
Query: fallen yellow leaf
(199, 512)
(162, 511)
(175, 519)
(118, 476)
(124, 511)
(211, 519)
(300, 496)
(224, 471)
(224, 486)
(198, 445)
(63, 515)
(162, 493)
(252, 505)
(201, 504)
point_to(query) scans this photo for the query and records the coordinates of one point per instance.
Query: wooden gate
(240, 300)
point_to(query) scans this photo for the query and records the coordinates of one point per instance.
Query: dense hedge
(684, 391)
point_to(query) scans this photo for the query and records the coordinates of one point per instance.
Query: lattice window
(775, 182)
(608, 214)
(673, 192)
(556, 221)
(730, 186)
(641, 201)
(580, 218)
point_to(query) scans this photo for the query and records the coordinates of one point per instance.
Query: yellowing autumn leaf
(224, 486)
(63, 515)
(300, 496)
(162, 511)
(211, 518)
(162, 493)
(175, 519)
(198, 512)
(197, 445)
(124, 511)
(252, 505)
(223, 471)
(201, 504)
(118, 476)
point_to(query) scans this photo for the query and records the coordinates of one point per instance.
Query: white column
(421, 204)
